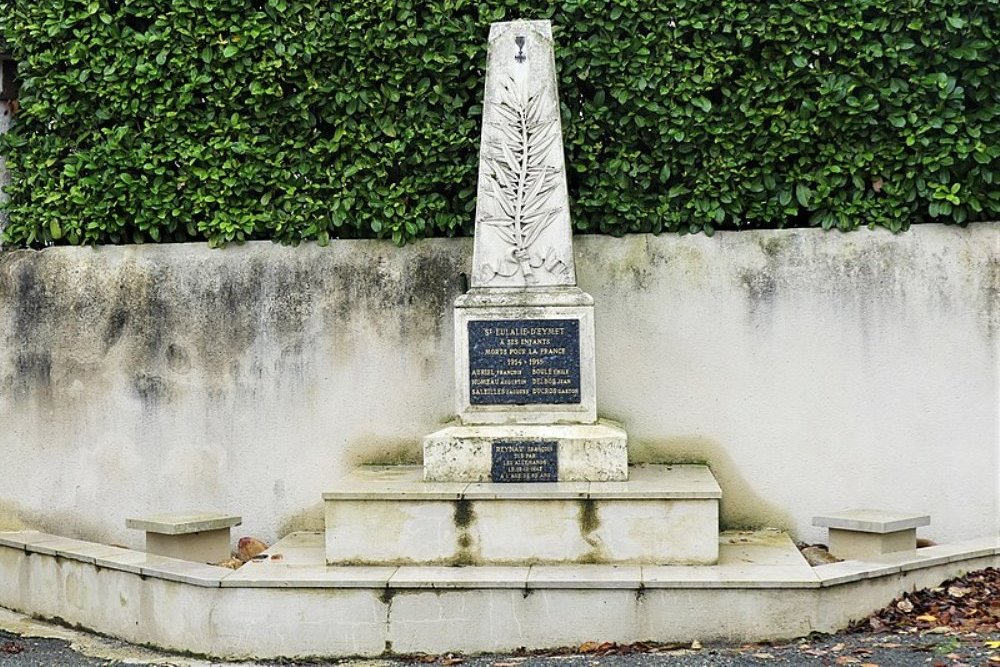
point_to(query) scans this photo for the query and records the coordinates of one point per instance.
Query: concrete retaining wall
(813, 371)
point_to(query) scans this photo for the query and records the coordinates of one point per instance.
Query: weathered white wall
(814, 372)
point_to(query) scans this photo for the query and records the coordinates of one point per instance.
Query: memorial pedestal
(542, 452)
(528, 474)
(390, 516)
(525, 356)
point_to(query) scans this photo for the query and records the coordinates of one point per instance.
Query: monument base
(390, 516)
(562, 452)
(525, 356)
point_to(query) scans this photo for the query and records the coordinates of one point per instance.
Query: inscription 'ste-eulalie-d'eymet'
(524, 361)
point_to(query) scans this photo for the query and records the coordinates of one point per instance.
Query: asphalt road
(884, 650)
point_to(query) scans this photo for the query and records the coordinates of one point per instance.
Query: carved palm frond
(517, 179)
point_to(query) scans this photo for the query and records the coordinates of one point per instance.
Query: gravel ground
(860, 649)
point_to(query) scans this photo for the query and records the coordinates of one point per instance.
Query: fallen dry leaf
(991, 644)
(11, 648)
(763, 656)
(588, 647)
(995, 658)
(696, 645)
(232, 563)
(868, 664)
(837, 648)
(249, 547)
(447, 662)
(816, 555)
(970, 603)
(846, 660)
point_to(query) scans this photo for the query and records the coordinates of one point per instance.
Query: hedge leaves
(171, 120)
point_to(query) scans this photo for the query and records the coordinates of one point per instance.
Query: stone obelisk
(524, 333)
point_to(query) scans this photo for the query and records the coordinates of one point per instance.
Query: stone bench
(858, 534)
(196, 536)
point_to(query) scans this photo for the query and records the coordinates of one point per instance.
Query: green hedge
(171, 120)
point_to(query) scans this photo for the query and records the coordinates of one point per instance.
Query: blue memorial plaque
(525, 461)
(519, 362)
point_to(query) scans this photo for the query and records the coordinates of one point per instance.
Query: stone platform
(390, 516)
(291, 605)
(585, 452)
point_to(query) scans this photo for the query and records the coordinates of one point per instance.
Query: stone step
(581, 452)
(388, 515)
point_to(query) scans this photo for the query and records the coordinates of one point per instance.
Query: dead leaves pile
(614, 648)
(248, 549)
(11, 648)
(964, 604)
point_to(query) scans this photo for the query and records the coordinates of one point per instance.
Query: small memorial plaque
(516, 362)
(525, 461)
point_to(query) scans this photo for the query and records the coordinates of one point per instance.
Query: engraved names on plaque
(525, 461)
(516, 362)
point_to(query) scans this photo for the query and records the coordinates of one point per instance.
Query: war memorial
(531, 520)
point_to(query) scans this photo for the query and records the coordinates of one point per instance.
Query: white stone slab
(22, 539)
(527, 491)
(728, 576)
(439, 621)
(471, 609)
(872, 521)
(127, 560)
(654, 530)
(834, 574)
(389, 531)
(572, 616)
(459, 577)
(86, 552)
(523, 235)
(759, 547)
(585, 452)
(660, 481)
(671, 516)
(732, 616)
(300, 548)
(585, 576)
(848, 544)
(392, 482)
(196, 574)
(299, 624)
(268, 574)
(507, 310)
(181, 523)
(522, 531)
(206, 546)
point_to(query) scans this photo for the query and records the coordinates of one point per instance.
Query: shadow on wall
(741, 506)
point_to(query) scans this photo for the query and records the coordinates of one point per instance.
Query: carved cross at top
(520, 57)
